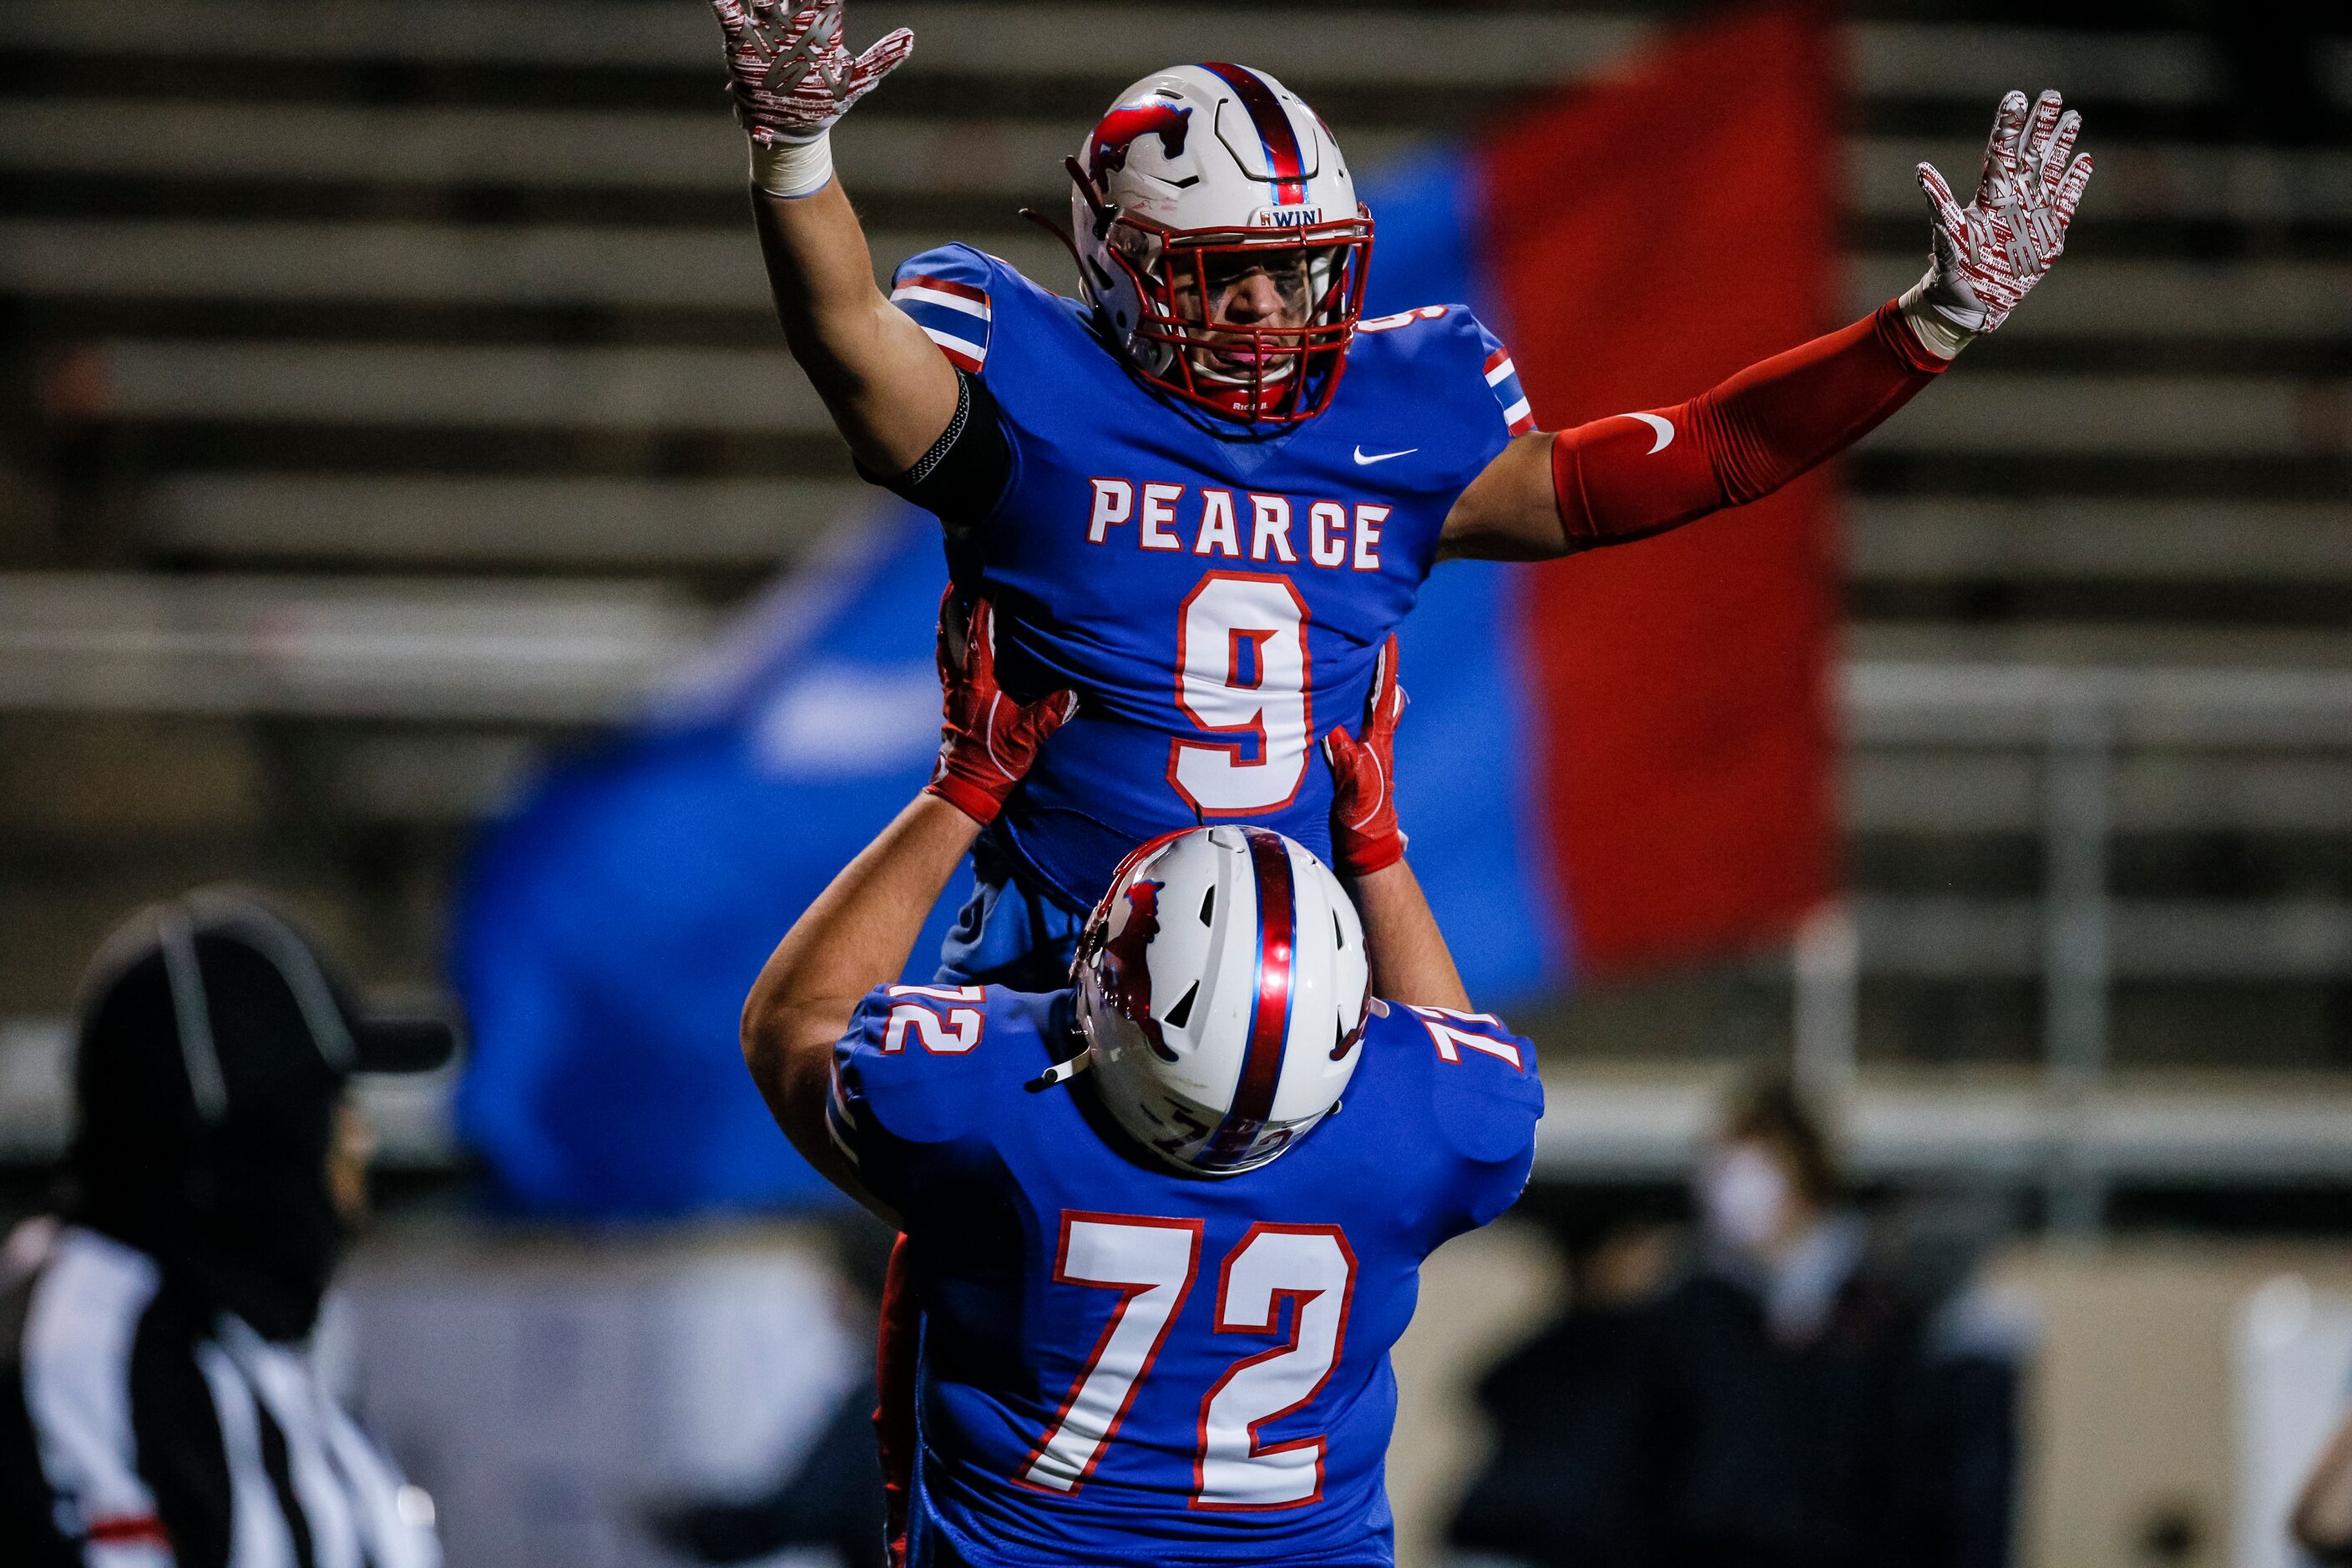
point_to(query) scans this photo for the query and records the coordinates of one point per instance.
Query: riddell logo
(1286, 217)
(1129, 123)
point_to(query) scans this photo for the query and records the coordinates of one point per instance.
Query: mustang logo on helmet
(1129, 123)
(1130, 972)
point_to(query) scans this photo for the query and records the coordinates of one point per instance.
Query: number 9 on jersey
(1242, 670)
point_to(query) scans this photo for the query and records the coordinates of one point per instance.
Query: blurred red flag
(1647, 237)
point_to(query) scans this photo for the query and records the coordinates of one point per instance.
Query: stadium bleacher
(394, 394)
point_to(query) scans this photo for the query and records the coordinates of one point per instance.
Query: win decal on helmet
(1220, 240)
(1223, 987)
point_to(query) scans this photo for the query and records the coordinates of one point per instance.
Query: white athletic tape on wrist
(789, 169)
(1943, 339)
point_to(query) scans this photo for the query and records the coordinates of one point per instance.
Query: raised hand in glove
(792, 77)
(1988, 255)
(1365, 836)
(987, 742)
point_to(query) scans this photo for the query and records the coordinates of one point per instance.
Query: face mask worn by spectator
(213, 1050)
(1744, 1198)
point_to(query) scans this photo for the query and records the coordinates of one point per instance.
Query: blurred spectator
(1790, 1400)
(833, 1500)
(159, 1401)
(2322, 1523)
(1576, 1473)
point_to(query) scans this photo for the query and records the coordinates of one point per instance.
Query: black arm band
(962, 476)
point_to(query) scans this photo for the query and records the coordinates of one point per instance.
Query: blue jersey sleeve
(950, 292)
(1443, 342)
(906, 1081)
(1485, 1099)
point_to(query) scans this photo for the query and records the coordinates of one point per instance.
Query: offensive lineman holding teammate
(1200, 497)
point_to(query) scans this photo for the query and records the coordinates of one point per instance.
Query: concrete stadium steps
(1365, 67)
(365, 147)
(2159, 303)
(409, 646)
(1970, 938)
(589, 389)
(546, 523)
(1402, 46)
(556, 520)
(662, 294)
(759, 390)
(449, 649)
(1955, 792)
(1942, 538)
(341, 145)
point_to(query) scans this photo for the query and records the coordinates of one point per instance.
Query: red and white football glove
(987, 742)
(792, 77)
(1365, 836)
(1986, 256)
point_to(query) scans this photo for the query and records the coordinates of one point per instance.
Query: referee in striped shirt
(159, 1407)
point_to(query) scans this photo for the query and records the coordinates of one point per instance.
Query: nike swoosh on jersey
(1364, 461)
(1663, 425)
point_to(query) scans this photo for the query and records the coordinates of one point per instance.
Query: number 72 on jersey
(1151, 1263)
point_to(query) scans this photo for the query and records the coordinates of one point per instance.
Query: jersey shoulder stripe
(1503, 376)
(947, 293)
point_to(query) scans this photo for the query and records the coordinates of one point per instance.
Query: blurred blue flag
(612, 924)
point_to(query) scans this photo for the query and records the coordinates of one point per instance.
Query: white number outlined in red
(1150, 1263)
(1312, 1267)
(1451, 1041)
(1225, 614)
(960, 1033)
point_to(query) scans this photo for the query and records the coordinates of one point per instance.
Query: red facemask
(1253, 372)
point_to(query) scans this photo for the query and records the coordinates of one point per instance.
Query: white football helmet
(1222, 990)
(1199, 173)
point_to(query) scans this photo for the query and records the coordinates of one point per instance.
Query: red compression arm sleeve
(1738, 441)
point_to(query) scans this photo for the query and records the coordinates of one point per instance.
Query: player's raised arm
(1633, 475)
(1411, 962)
(858, 932)
(888, 389)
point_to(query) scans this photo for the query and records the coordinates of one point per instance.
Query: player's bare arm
(1411, 962)
(886, 385)
(1633, 475)
(860, 931)
(856, 936)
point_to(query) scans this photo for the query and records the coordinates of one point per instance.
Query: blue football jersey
(1124, 1365)
(1215, 596)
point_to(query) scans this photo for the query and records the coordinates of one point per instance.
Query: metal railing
(2078, 722)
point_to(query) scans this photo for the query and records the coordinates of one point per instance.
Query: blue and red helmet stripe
(1269, 1026)
(1274, 132)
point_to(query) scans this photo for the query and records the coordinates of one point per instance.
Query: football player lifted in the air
(1160, 1260)
(1203, 492)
